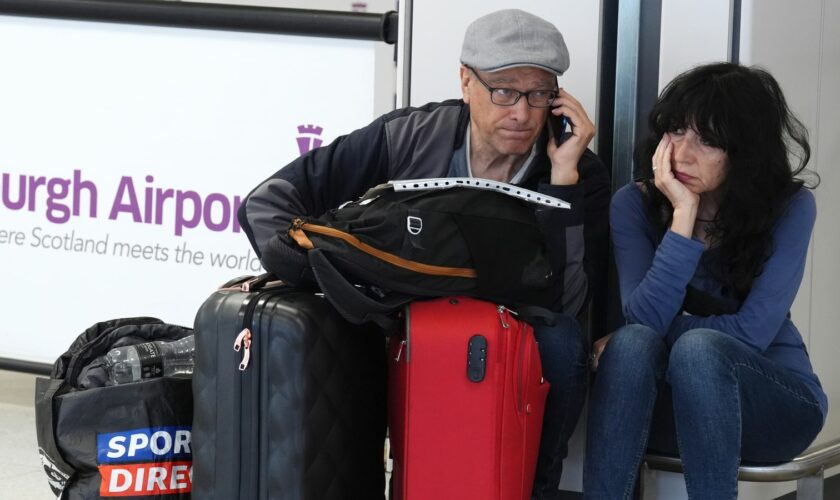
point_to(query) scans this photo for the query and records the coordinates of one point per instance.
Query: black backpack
(424, 238)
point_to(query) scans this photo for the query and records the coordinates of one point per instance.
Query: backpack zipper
(299, 226)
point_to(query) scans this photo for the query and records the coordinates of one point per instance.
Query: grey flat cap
(512, 37)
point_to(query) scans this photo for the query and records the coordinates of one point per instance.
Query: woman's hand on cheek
(684, 201)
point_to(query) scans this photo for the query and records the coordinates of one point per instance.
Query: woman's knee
(636, 339)
(634, 343)
(701, 349)
(634, 357)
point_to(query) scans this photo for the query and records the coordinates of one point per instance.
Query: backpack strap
(284, 260)
(59, 472)
(350, 301)
(470, 182)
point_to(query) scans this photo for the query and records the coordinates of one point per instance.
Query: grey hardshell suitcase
(289, 398)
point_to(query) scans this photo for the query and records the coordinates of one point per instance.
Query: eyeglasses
(509, 97)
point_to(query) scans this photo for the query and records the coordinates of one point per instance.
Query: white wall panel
(795, 62)
(385, 66)
(692, 33)
(825, 299)
(807, 65)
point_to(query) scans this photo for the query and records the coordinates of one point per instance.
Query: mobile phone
(558, 126)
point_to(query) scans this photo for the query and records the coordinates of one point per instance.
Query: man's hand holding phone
(565, 156)
(557, 126)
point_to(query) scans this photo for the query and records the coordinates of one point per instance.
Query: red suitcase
(466, 403)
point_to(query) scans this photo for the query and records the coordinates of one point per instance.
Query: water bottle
(150, 360)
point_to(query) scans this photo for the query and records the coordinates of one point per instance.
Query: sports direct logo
(140, 462)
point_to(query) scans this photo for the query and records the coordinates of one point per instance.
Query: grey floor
(21, 474)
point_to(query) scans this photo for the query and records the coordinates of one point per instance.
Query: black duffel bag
(427, 238)
(98, 440)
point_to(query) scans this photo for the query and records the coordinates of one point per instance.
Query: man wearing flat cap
(499, 130)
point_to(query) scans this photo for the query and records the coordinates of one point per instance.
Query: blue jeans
(711, 399)
(563, 354)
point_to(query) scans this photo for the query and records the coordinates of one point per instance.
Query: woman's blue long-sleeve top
(653, 276)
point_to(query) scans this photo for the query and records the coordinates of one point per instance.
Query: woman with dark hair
(710, 247)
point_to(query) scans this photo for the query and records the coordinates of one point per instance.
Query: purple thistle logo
(309, 137)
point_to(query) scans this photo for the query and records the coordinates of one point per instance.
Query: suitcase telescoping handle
(258, 282)
(249, 283)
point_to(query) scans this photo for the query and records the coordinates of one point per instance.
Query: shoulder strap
(353, 304)
(485, 184)
(58, 471)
